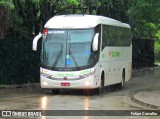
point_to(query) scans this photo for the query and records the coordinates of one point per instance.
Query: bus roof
(81, 21)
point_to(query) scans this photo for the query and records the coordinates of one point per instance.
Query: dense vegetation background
(21, 20)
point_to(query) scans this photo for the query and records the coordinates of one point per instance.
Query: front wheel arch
(102, 78)
(101, 86)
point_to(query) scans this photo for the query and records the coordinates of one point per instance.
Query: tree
(29, 16)
(5, 7)
(7, 4)
(116, 9)
(50, 8)
(144, 17)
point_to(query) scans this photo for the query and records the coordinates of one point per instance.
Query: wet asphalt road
(111, 99)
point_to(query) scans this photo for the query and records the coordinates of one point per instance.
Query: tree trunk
(4, 24)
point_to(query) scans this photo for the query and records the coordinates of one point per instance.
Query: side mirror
(95, 42)
(35, 40)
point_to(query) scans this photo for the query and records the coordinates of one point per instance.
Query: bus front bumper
(85, 83)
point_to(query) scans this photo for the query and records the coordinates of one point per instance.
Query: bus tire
(55, 91)
(121, 85)
(101, 88)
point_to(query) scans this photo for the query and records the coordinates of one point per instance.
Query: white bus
(84, 52)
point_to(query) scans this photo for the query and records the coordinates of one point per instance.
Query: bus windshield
(67, 49)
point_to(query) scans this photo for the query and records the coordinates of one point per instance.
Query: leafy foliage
(5, 7)
(27, 17)
(157, 52)
(144, 17)
(7, 3)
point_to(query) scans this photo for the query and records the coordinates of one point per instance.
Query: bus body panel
(81, 21)
(77, 84)
(114, 60)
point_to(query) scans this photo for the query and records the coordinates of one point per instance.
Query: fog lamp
(87, 83)
(45, 83)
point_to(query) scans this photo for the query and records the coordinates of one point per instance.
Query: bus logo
(114, 54)
(65, 78)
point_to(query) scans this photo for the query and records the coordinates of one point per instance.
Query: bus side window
(105, 36)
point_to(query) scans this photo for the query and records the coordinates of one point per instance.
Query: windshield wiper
(57, 57)
(74, 60)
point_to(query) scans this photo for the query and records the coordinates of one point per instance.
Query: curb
(147, 99)
(21, 86)
(130, 101)
(148, 68)
(145, 104)
(140, 102)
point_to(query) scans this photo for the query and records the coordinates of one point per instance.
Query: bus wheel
(121, 85)
(55, 91)
(101, 88)
(90, 91)
(86, 91)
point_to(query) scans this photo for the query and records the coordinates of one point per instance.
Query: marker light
(45, 31)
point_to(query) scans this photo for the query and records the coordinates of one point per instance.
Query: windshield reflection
(68, 48)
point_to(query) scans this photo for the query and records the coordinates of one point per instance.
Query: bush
(157, 52)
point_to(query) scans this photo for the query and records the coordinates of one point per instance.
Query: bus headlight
(45, 83)
(87, 83)
(45, 75)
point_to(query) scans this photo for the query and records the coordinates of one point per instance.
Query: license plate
(65, 84)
